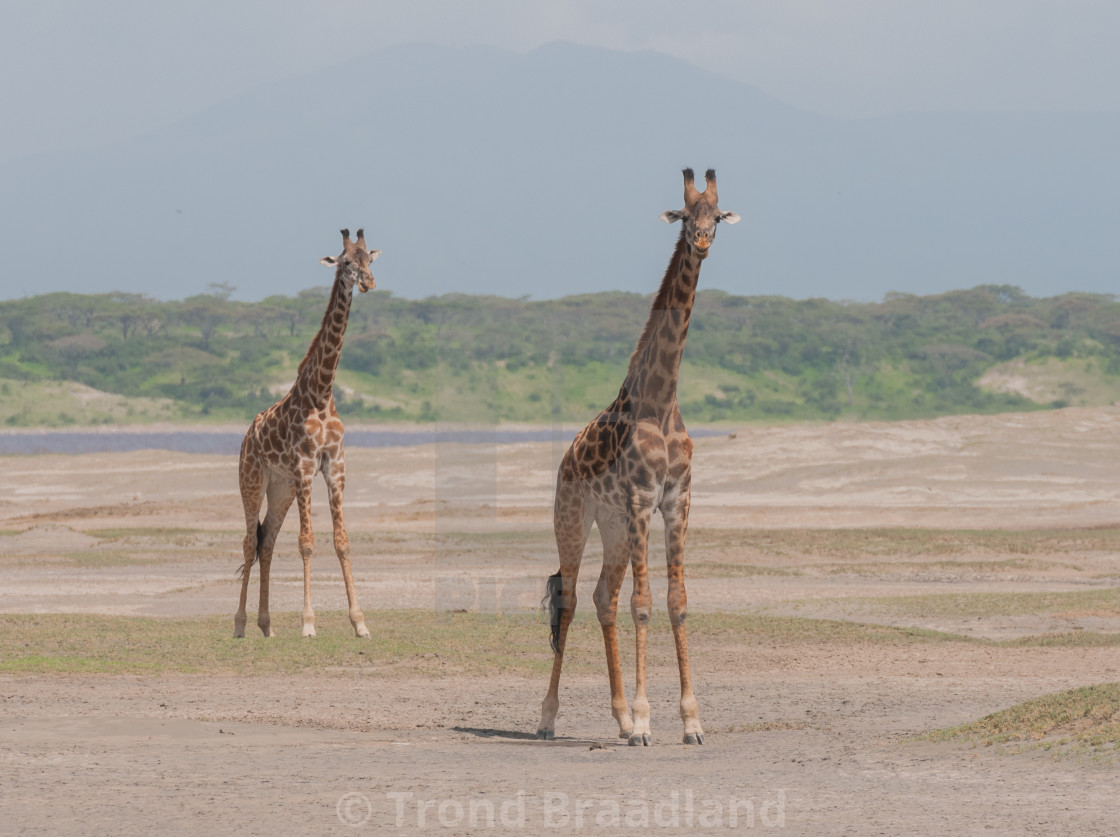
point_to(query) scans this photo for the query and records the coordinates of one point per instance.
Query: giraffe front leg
(615, 559)
(306, 549)
(675, 527)
(335, 475)
(608, 589)
(641, 606)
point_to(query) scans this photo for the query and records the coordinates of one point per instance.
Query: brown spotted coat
(296, 438)
(633, 459)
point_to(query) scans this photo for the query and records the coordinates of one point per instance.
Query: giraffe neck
(651, 380)
(315, 378)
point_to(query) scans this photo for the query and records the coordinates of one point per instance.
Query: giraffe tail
(257, 556)
(554, 601)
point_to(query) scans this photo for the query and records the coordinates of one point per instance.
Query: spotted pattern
(292, 441)
(633, 459)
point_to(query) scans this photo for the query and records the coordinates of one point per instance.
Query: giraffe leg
(280, 495)
(571, 524)
(641, 606)
(306, 549)
(615, 558)
(335, 475)
(251, 477)
(676, 524)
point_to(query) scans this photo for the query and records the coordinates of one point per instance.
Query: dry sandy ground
(806, 739)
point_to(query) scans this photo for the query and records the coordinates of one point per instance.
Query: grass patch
(944, 566)
(723, 569)
(1083, 721)
(148, 532)
(422, 641)
(856, 543)
(66, 403)
(415, 642)
(965, 605)
(107, 558)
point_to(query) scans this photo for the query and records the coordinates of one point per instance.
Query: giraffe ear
(672, 216)
(730, 217)
(373, 254)
(329, 261)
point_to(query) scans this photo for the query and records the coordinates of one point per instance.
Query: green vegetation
(966, 605)
(867, 543)
(83, 359)
(734, 553)
(1081, 722)
(422, 642)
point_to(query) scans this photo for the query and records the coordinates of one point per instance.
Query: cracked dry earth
(804, 737)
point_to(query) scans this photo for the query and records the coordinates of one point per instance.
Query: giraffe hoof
(694, 738)
(546, 734)
(639, 738)
(626, 733)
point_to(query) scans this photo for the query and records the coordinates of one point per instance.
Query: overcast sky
(74, 73)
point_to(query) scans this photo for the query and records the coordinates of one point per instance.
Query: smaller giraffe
(294, 439)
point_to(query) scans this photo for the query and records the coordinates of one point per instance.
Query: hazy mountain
(478, 170)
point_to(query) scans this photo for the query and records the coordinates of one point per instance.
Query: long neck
(651, 380)
(317, 369)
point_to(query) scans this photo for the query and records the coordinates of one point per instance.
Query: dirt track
(817, 738)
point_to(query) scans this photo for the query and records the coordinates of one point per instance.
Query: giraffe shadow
(508, 734)
(511, 735)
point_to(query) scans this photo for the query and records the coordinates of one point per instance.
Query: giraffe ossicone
(293, 440)
(633, 458)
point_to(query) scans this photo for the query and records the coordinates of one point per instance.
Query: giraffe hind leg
(280, 495)
(553, 601)
(244, 568)
(252, 492)
(571, 524)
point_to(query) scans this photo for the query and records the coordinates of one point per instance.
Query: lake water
(221, 442)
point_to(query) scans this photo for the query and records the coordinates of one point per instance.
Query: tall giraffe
(636, 457)
(297, 437)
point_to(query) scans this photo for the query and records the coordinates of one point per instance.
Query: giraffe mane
(661, 300)
(317, 339)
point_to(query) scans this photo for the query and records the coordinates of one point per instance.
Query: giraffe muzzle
(366, 284)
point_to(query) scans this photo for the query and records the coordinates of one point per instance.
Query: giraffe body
(633, 459)
(295, 439)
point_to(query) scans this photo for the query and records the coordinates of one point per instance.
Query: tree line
(459, 356)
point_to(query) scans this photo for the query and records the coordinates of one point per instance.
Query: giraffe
(633, 458)
(297, 437)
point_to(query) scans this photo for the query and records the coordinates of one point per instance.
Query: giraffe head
(354, 261)
(701, 213)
